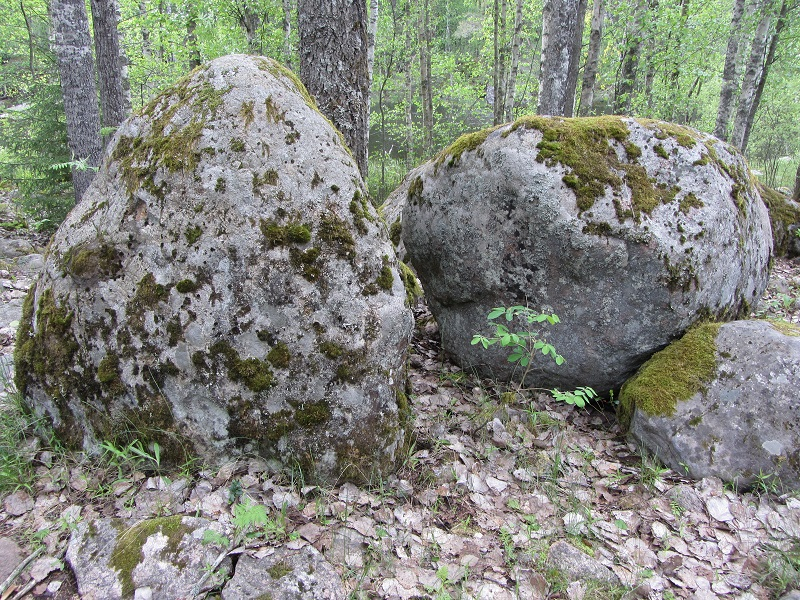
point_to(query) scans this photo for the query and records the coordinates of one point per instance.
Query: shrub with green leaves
(527, 344)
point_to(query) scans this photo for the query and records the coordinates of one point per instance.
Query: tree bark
(112, 68)
(425, 78)
(624, 96)
(762, 77)
(729, 74)
(191, 40)
(511, 88)
(287, 33)
(72, 44)
(333, 66)
(572, 76)
(751, 75)
(559, 22)
(372, 31)
(592, 58)
(409, 84)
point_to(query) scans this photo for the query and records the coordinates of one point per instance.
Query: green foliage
(526, 345)
(131, 457)
(780, 567)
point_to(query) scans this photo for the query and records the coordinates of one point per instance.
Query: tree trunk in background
(500, 59)
(751, 75)
(29, 30)
(730, 74)
(333, 66)
(191, 40)
(372, 31)
(409, 124)
(592, 58)
(425, 78)
(511, 88)
(630, 62)
(762, 78)
(112, 68)
(574, 64)
(250, 21)
(72, 44)
(287, 33)
(796, 193)
(559, 22)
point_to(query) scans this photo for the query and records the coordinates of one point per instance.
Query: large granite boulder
(224, 287)
(722, 402)
(629, 230)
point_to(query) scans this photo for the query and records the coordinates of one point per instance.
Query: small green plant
(779, 569)
(132, 457)
(527, 344)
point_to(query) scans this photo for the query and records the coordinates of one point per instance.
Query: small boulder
(630, 230)
(577, 565)
(285, 575)
(722, 402)
(225, 288)
(784, 215)
(164, 557)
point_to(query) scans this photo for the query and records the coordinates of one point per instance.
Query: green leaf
(559, 360)
(496, 312)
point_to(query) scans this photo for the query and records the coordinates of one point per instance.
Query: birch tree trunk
(425, 78)
(559, 22)
(511, 88)
(287, 33)
(333, 66)
(72, 44)
(762, 78)
(592, 58)
(409, 84)
(372, 31)
(574, 63)
(191, 40)
(630, 62)
(112, 68)
(751, 75)
(730, 73)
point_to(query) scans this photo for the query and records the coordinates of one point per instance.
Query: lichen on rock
(187, 310)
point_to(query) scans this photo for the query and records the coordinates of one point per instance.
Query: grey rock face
(225, 287)
(745, 422)
(629, 230)
(577, 565)
(285, 575)
(392, 211)
(158, 558)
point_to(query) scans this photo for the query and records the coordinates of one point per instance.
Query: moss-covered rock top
(676, 373)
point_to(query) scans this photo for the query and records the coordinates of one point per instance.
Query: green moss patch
(148, 294)
(411, 284)
(359, 208)
(108, 374)
(88, 261)
(293, 232)
(466, 143)
(127, 552)
(237, 145)
(270, 177)
(279, 356)
(785, 327)
(307, 262)
(334, 231)
(583, 146)
(673, 375)
(255, 374)
(274, 114)
(396, 232)
(661, 151)
(688, 202)
(247, 113)
(193, 233)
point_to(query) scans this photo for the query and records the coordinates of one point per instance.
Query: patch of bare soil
(484, 491)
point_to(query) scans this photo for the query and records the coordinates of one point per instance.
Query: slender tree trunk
(729, 73)
(287, 33)
(511, 88)
(333, 66)
(72, 44)
(754, 66)
(574, 64)
(425, 78)
(500, 60)
(146, 48)
(250, 22)
(762, 78)
(112, 69)
(624, 96)
(372, 31)
(796, 192)
(30, 37)
(191, 40)
(559, 22)
(409, 84)
(592, 58)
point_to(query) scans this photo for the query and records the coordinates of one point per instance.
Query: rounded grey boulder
(225, 288)
(722, 402)
(629, 230)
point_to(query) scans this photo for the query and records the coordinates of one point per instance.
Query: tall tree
(592, 58)
(730, 73)
(751, 75)
(424, 28)
(333, 66)
(559, 26)
(72, 44)
(572, 75)
(511, 88)
(112, 68)
(623, 96)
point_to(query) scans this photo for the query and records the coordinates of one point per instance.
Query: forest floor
(483, 493)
